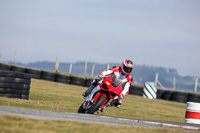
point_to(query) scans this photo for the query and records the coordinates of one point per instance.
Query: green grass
(67, 98)
(64, 97)
(16, 124)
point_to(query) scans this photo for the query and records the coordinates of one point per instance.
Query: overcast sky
(152, 32)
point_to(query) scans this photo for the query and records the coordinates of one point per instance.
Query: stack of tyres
(179, 97)
(62, 78)
(17, 68)
(48, 75)
(167, 94)
(88, 82)
(36, 73)
(193, 97)
(14, 84)
(4, 66)
(136, 90)
(160, 93)
(77, 80)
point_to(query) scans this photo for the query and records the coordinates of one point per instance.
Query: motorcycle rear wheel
(96, 105)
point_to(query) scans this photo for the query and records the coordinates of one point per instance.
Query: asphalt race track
(108, 120)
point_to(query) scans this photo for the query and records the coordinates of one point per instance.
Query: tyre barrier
(192, 114)
(167, 95)
(36, 73)
(170, 95)
(4, 66)
(193, 98)
(14, 84)
(62, 78)
(135, 90)
(88, 82)
(82, 81)
(77, 80)
(179, 97)
(47, 75)
(160, 93)
(17, 68)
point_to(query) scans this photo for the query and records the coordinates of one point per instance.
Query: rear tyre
(96, 105)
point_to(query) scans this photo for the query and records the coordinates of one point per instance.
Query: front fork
(88, 99)
(107, 104)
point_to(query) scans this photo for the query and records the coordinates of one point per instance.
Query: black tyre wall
(88, 82)
(4, 66)
(15, 84)
(77, 81)
(62, 78)
(134, 90)
(179, 97)
(17, 68)
(47, 75)
(159, 93)
(15, 74)
(193, 98)
(15, 80)
(167, 95)
(35, 72)
(14, 91)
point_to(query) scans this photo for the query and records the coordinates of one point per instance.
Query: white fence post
(161, 85)
(195, 86)
(15, 57)
(70, 68)
(56, 65)
(174, 83)
(92, 70)
(107, 66)
(156, 80)
(85, 71)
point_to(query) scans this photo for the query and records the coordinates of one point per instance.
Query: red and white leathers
(119, 79)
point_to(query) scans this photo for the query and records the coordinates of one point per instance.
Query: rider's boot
(92, 86)
(88, 91)
(116, 103)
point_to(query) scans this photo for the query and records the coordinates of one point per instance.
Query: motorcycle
(103, 95)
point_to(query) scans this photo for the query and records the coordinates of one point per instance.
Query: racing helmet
(127, 66)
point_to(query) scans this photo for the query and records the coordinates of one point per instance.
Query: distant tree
(173, 72)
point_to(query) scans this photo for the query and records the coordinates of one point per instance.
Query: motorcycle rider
(121, 76)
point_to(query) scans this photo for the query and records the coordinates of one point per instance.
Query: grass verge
(67, 98)
(16, 124)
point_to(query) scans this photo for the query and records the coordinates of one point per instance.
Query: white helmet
(127, 66)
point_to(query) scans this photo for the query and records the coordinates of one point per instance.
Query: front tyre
(96, 105)
(81, 110)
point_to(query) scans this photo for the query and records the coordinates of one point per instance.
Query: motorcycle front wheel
(81, 109)
(96, 105)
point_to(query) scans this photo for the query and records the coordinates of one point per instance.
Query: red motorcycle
(101, 96)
